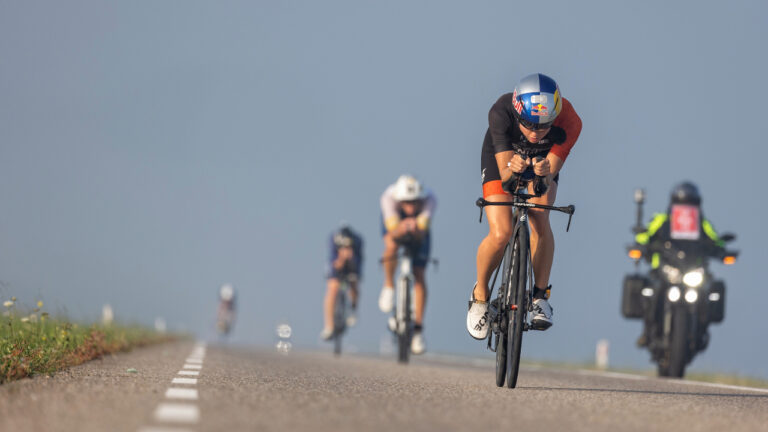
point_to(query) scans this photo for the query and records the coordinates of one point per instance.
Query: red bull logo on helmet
(539, 110)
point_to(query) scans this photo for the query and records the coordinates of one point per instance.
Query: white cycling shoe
(477, 318)
(351, 319)
(326, 334)
(542, 314)
(418, 344)
(387, 299)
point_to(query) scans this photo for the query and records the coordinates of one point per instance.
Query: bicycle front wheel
(339, 320)
(404, 329)
(500, 320)
(518, 305)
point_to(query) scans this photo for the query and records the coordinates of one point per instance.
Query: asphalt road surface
(227, 389)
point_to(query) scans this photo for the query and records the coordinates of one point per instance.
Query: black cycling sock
(417, 328)
(539, 293)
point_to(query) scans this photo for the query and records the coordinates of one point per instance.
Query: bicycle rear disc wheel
(516, 316)
(501, 357)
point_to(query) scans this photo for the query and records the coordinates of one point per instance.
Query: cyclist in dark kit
(533, 121)
(346, 262)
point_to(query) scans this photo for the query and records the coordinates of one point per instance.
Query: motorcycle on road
(678, 299)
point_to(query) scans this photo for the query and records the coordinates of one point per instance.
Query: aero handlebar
(569, 210)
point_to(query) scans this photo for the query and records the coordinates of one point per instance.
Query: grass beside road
(34, 343)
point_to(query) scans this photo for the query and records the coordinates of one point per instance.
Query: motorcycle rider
(346, 262)
(682, 228)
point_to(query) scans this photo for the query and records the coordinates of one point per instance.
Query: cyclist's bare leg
(390, 261)
(491, 249)
(542, 239)
(419, 294)
(330, 301)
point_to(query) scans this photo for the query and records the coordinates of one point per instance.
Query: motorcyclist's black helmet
(685, 193)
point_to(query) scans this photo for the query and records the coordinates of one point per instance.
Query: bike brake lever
(480, 203)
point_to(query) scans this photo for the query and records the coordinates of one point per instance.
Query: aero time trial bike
(340, 310)
(509, 312)
(401, 322)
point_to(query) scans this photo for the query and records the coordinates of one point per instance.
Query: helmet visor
(534, 126)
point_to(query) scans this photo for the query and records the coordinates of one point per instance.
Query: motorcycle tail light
(635, 253)
(730, 259)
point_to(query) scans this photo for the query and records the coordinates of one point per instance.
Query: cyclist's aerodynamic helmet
(536, 101)
(407, 188)
(686, 193)
(227, 292)
(344, 237)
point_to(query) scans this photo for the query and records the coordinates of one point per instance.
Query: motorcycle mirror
(639, 196)
(728, 237)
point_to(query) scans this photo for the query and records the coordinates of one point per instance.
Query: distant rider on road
(345, 262)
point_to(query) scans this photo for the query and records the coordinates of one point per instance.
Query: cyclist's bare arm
(555, 163)
(502, 159)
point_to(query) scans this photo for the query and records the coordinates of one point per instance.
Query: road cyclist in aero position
(406, 211)
(344, 268)
(530, 131)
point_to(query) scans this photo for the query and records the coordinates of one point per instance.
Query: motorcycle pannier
(631, 298)
(717, 302)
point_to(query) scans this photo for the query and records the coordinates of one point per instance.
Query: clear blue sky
(150, 151)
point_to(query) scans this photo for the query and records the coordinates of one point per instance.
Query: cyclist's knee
(390, 246)
(539, 219)
(333, 285)
(500, 236)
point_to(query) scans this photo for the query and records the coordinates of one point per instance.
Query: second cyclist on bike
(406, 210)
(531, 122)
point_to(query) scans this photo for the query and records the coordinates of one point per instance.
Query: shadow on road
(655, 392)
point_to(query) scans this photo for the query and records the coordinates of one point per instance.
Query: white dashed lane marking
(181, 393)
(177, 413)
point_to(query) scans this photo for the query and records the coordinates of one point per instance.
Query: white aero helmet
(407, 188)
(227, 292)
